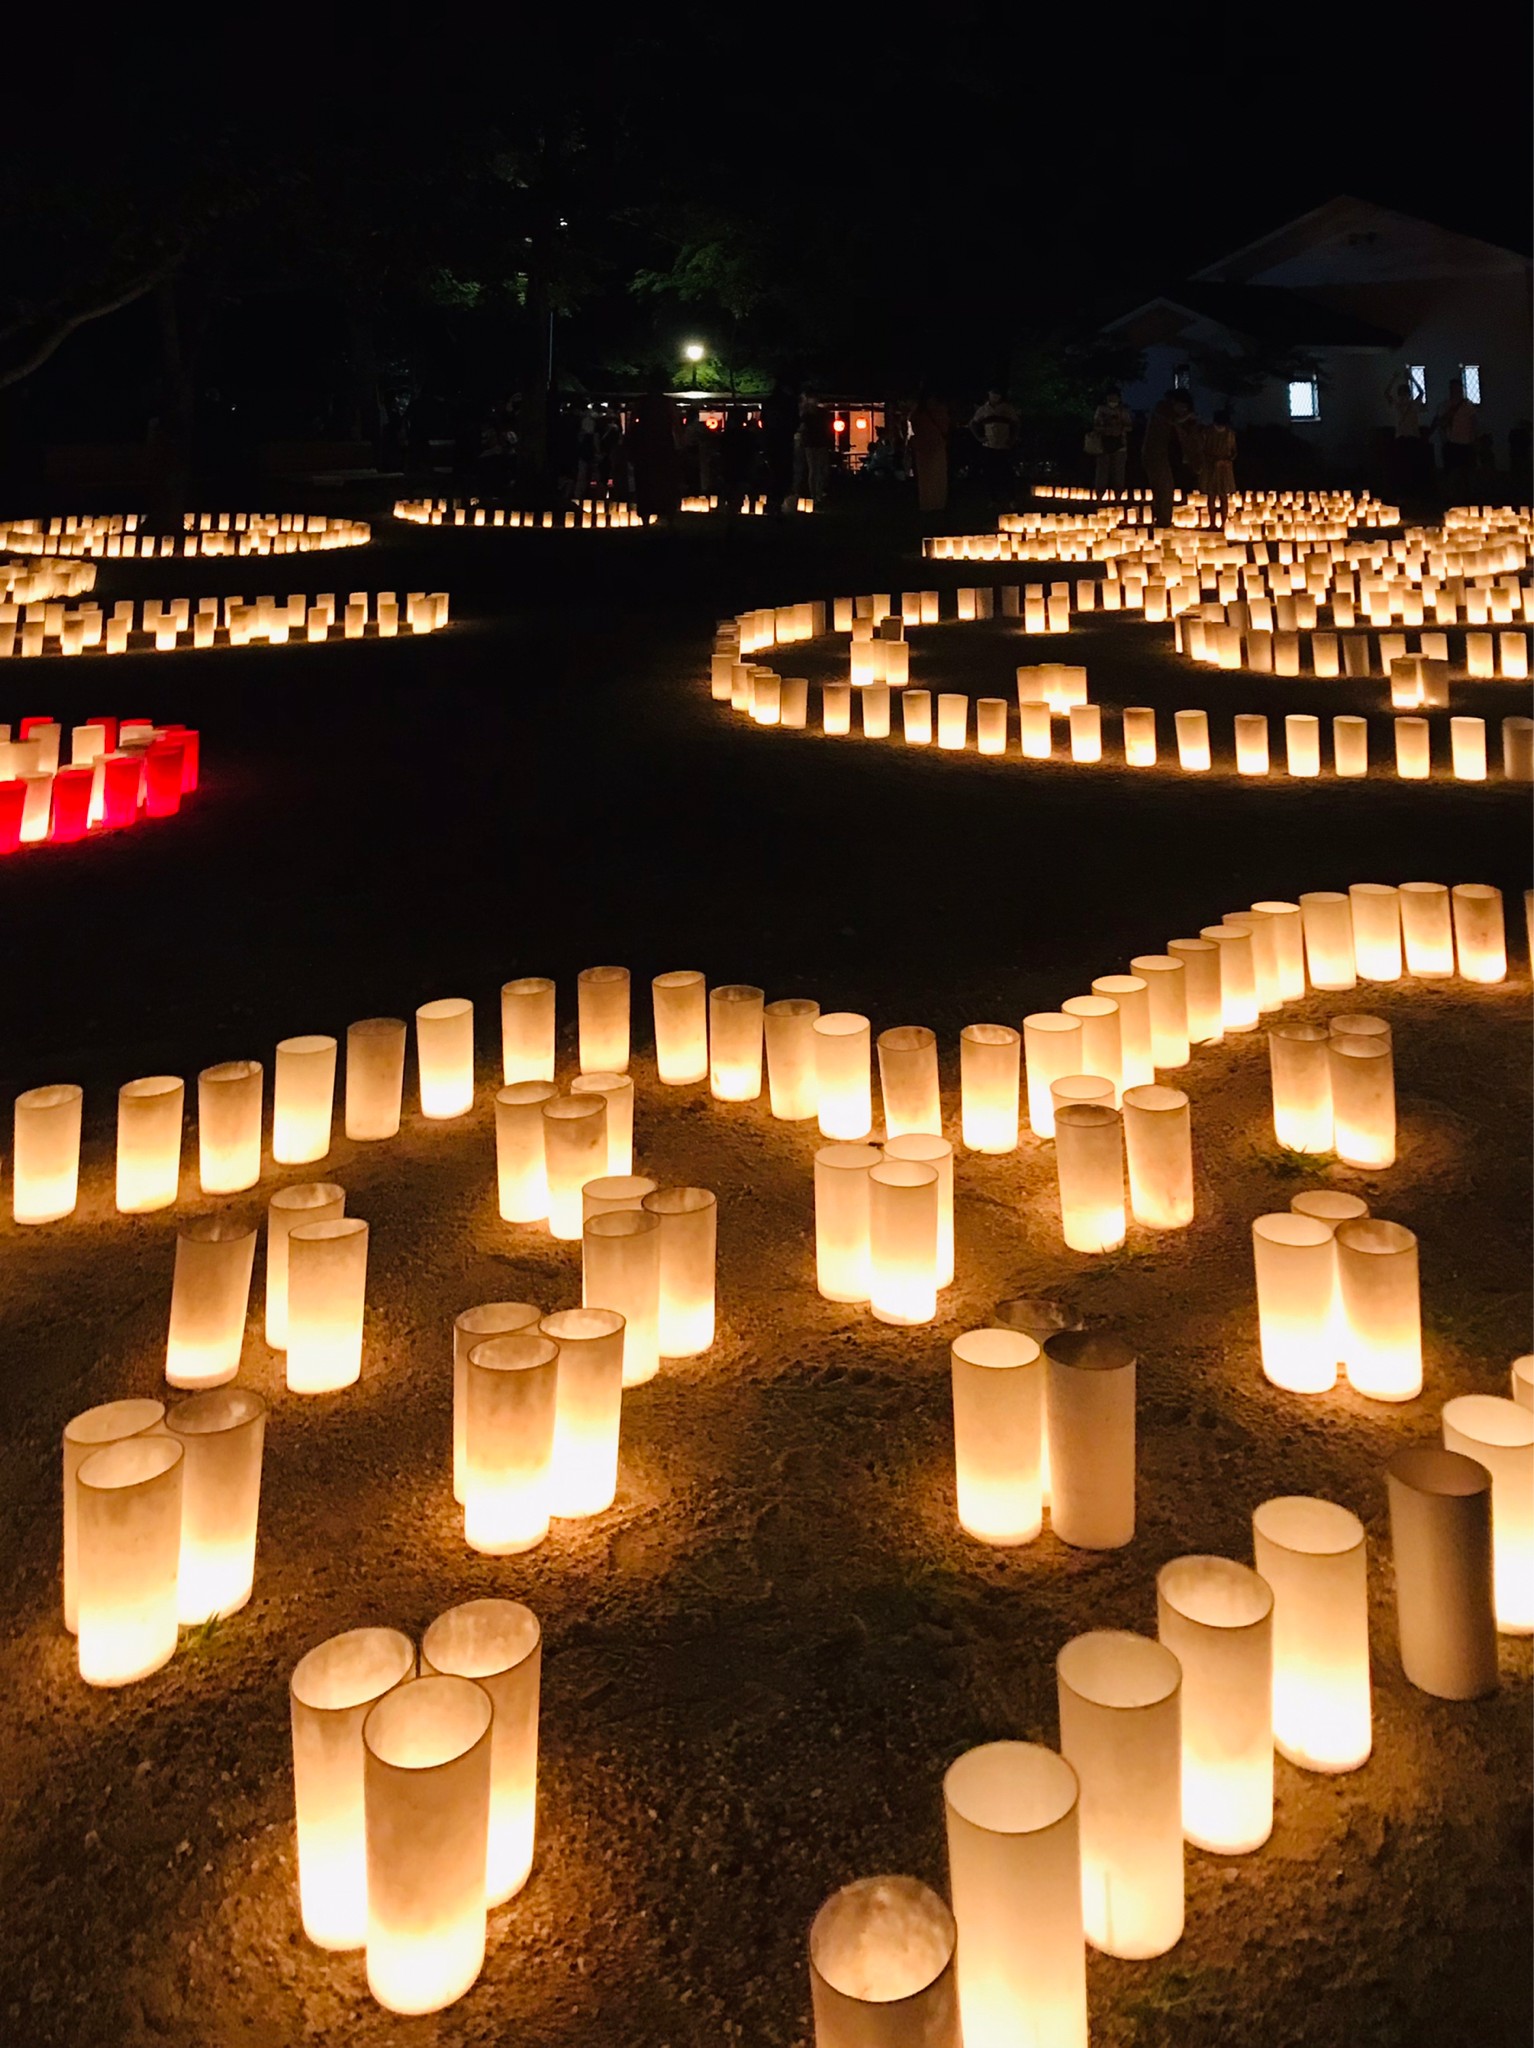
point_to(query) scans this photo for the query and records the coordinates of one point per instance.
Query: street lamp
(694, 351)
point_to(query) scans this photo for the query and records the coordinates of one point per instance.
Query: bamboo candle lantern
(588, 1409)
(444, 1045)
(1362, 1073)
(46, 1153)
(1216, 1617)
(617, 1091)
(1089, 1410)
(1014, 1872)
(229, 1126)
(149, 1114)
(127, 1556)
(844, 1087)
(1089, 1165)
(735, 1043)
(989, 1082)
(681, 1027)
(789, 1033)
(1166, 987)
(908, 1080)
(575, 1151)
(1102, 1044)
(916, 717)
(602, 1015)
(527, 1030)
(1238, 976)
(688, 1236)
(472, 1326)
(1192, 741)
(1381, 1308)
(928, 1149)
(510, 1389)
(1376, 931)
(881, 1967)
(1326, 916)
(1158, 1147)
(1202, 988)
(1121, 1732)
(1132, 994)
(1467, 745)
(312, 1202)
(110, 1423)
(842, 1220)
(327, 1284)
(1521, 1380)
(998, 1434)
(1479, 934)
(1311, 1554)
(1499, 1434)
(522, 1181)
(210, 1293)
(1052, 1048)
(1441, 1539)
(222, 1435)
(1302, 1086)
(952, 721)
(1036, 729)
(499, 1644)
(1427, 930)
(375, 1077)
(303, 1099)
(1139, 736)
(620, 1269)
(427, 1778)
(902, 1241)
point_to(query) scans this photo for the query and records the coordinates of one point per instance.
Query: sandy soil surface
(760, 1661)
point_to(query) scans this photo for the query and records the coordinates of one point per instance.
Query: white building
(1363, 293)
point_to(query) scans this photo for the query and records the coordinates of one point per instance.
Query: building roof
(1332, 217)
(1260, 313)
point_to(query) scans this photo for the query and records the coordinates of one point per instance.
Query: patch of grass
(203, 1637)
(1154, 2007)
(1296, 1165)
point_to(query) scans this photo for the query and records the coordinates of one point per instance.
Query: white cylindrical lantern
(689, 1219)
(843, 1079)
(471, 1327)
(1089, 1410)
(989, 1081)
(222, 1435)
(1414, 758)
(602, 1016)
(620, 1268)
(522, 1180)
(735, 1043)
(1121, 1732)
(1376, 931)
(1350, 745)
(1203, 987)
(375, 1077)
(1467, 743)
(149, 1114)
(499, 1644)
(1381, 1308)
(1158, 1148)
(1086, 723)
(1265, 972)
(614, 1191)
(588, 1409)
(427, 1776)
(1479, 934)
(1033, 717)
(916, 717)
(836, 709)
(1014, 1875)
(1441, 1540)
(1052, 1048)
(575, 1151)
(1296, 1268)
(229, 1126)
(209, 1297)
(311, 1202)
(952, 720)
(998, 1434)
(908, 1080)
(681, 1027)
(1132, 994)
(1285, 930)
(1139, 736)
(1102, 1049)
(1192, 740)
(1302, 743)
(1216, 1617)
(1327, 918)
(924, 1149)
(444, 1045)
(991, 725)
(510, 1394)
(1362, 1073)
(85, 1434)
(1521, 1380)
(617, 1091)
(1311, 1555)
(527, 1029)
(303, 1099)
(902, 1241)
(1518, 749)
(127, 1556)
(1166, 983)
(1238, 976)
(1251, 743)
(881, 1967)
(841, 1220)
(1300, 1070)
(1089, 1166)
(1427, 929)
(1499, 1434)
(789, 1032)
(327, 1286)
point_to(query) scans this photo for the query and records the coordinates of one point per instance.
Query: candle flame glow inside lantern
(210, 1293)
(444, 1046)
(427, 1777)
(1327, 919)
(303, 1099)
(620, 1269)
(1052, 1048)
(149, 1116)
(588, 1409)
(510, 1395)
(1376, 931)
(1427, 930)
(681, 1027)
(1499, 1434)
(1311, 1553)
(881, 1967)
(1089, 1164)
(908, 1080)
(327, 1285)
(841, 1220)
(1467, 742)
(998, 1429)
(1295, 1262)
(1362, 1073)
(1302, 1086)
(127, 1554)
(989, 1081)
(789, 1032)
(735, 1043)
(1101, 1037)
(602, 1015)
(1216, 1617)
(527, 1030)
(1441, 1538)
(375, 1077)
(222, 1435)
(1192, 740)
(1132, 994)
(229, 1126)
(844, 1089)
(1238, 976)
(46, 1153)
(1139, 736)
(311, 1202)
(85, 1434)
(1479, 933)
(617, 1091)
(575, 1151)
(1382, 1310)
(1166, 984)
(1158, 1148)
(499, 1644)
(522, 1180)
(923, 1149)
(1121, 1732)
(471, 1326)
(902, 1241)
(689, 1220)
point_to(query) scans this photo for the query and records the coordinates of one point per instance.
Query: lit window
(1416, 381)
(1470, 381)
(1304, 398)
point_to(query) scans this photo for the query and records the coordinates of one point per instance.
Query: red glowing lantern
(191, 754)
(108, 734)
(13, 800)
(122, 775)
(162, 779)
(30, 725)
(71, 804)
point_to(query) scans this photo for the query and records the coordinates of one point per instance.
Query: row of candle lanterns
(61, 628)
(118, 535)
(29, 581)
(591, 515)
(1244, 642)
(120, 772)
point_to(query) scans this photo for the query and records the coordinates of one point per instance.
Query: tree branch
(58, 330)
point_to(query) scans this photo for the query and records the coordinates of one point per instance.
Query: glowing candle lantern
(681, 1027)
(794, 702)
(842, 1220)
(1441, 1539)
(1192, 740)
(836, 709)
(844, 1092)
(1467, 742)
(1362, 1072)
(471, 1327)
(617, 1090)
(1376, 931)
(1158, 1145)
(575, 1151)
(1132, 995)
(522, 1182)
(303, 1097)
(908, 1079)
(881, 1967)
(989, 1077)
(1479, 935)
(127, 1557)
(1052, 1048)
(46, 1153)
(998, 1425)
(1413, 749)
(499, 1645)
(1079, 1088)
(311, 1202)
(874, 702)
(527, 1029)
(1381, 1307)
(902, 1241)
(1216, 1617)
(1302, 744)
(735, 1043)
(229, 1126)
(1479, 665)
(688, 1237)
(375, 1077)
(916, 717)
(444, 1045)
(1165, 978)
(952, 721)
(991, 725)
(210, 1293)
(1518, 749)
(1326, 916)
(588, 1409)
(1302, 1086)
(925, 1148)
(1239, 1005)
(1014, 1872)
(222, 1435)
(510, 1387)
(602, 1015)
(789, 1033)
(1037, 731)
(1089, 1407)
(1251, 744)
(1499, 1434)
(327, 1283)
(149, 1143)
(1101, 1036)
(1139, 736)
(620, 1269)
(427, 1777)
(1513, 656)
(85, 1434)
(1427, 931)
(1121, 1732)
(1521, 1380)
(1086, 721)
(1311, 1554)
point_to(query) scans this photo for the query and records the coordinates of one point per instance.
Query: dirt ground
(759, 1662)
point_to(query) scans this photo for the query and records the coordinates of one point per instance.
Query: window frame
(1312, 385)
